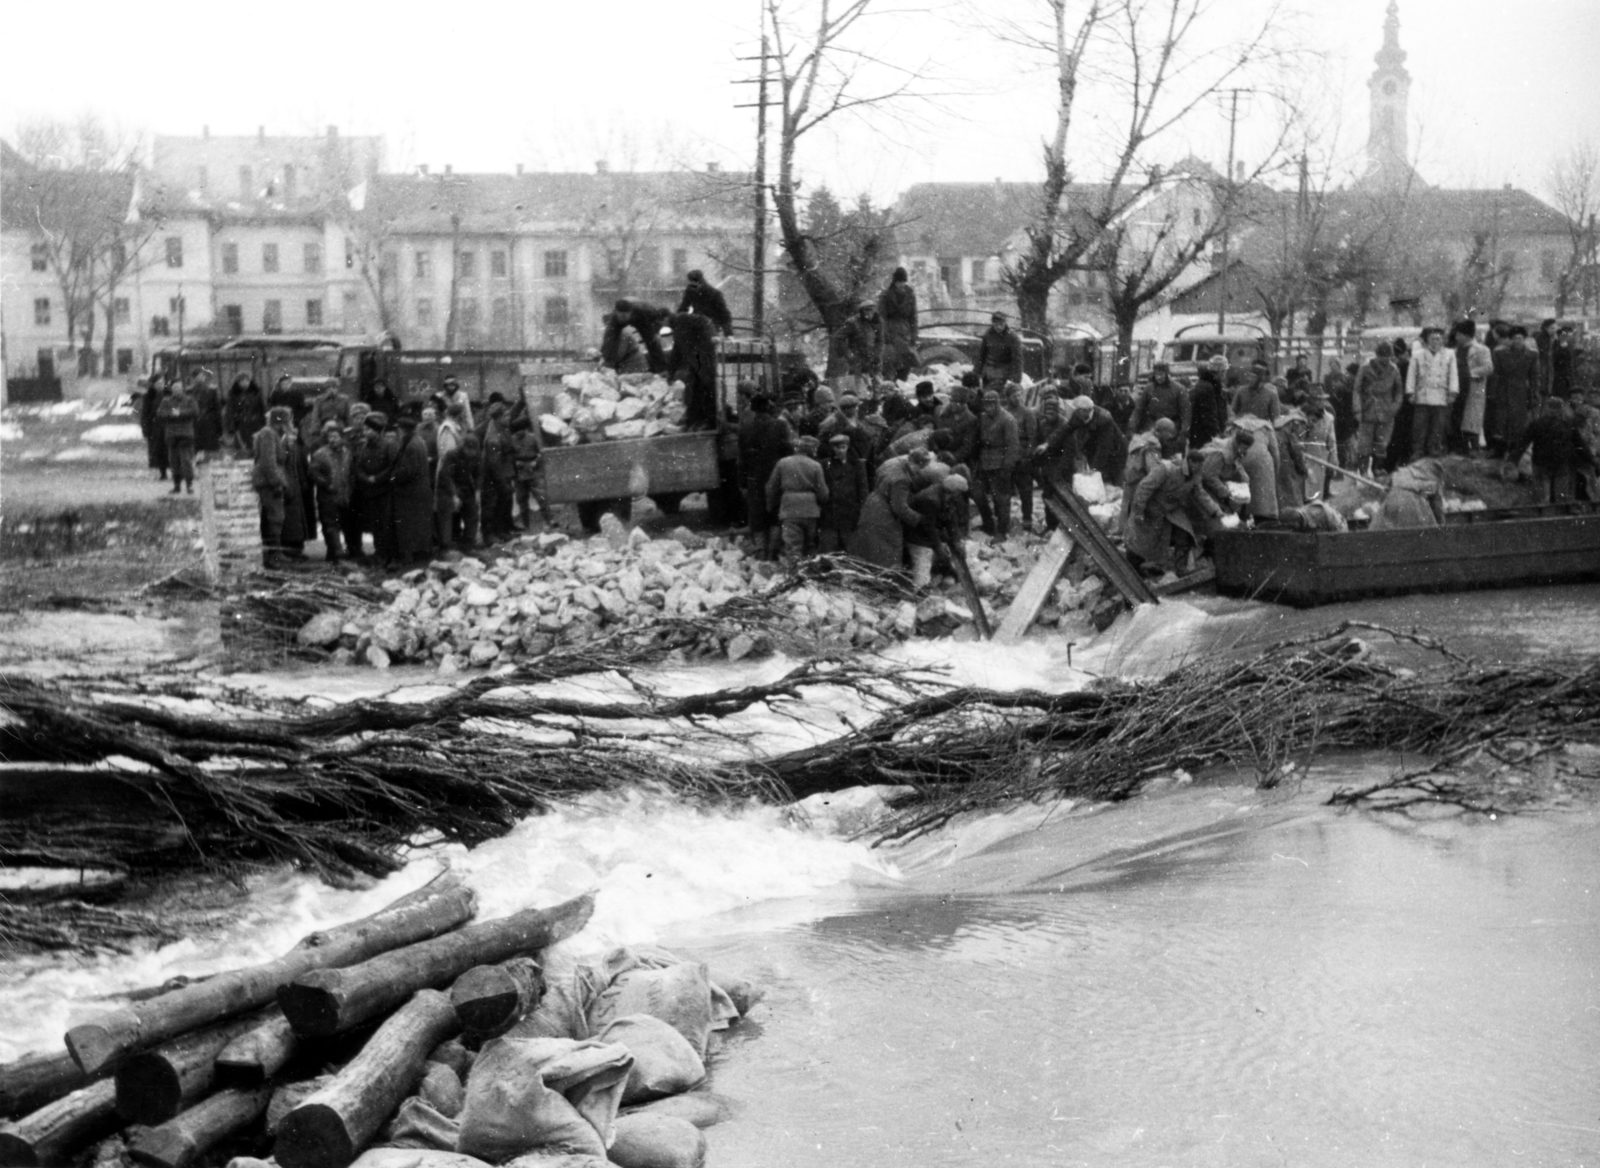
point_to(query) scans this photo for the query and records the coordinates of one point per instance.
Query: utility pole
(1227, 222)
(758, 294)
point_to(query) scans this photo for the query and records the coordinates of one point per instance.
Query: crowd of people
(895, 479)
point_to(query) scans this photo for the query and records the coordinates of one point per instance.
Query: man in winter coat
(243, 413)
(702, 299)
(845, 420)
(455, 494)
(178, 412)
(897, 307)
(1100, 443)
(1162, 398)
(1474, 364)
(1431, 387)
(527, 452)
(499, 475)
(797, 491)
(1208, 403)
(154, 430)
(621, 348)
(858, 354)
(1260, 397)
(647, 320)
(331, 406)
(941, 523)
(208, 414)
(846, 475)
(1027, 438)
(1559, 452)
(763, 441)
(1254, 457)
(1515, 391)
(413, 495)
(958, 420)
(374, 468)
(330, 472)
(880, 535)
(1145, 452)
(999, 354)
(1375, 401)
(269, 477)
(998, 455)
(693, 361)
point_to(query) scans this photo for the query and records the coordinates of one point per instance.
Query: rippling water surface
(1199, 980)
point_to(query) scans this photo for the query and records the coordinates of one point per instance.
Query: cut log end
(313, 1135)
(17, 1152)
(490, 999)
(149, 1090)
(95, 1045)
(161, 1147)
(311, 1007)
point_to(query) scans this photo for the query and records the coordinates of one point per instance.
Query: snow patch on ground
(113, 433)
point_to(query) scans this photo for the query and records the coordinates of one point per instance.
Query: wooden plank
(1185, 583)
(1071, 513)
(1035, 590)
(631, 467)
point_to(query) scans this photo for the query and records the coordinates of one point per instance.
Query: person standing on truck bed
(647, 320)
(999, 354)
(694, 362)
(620, 346)
(897, 305)
(701, 298)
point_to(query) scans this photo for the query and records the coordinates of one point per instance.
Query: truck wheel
(589, 513)
(668, 504)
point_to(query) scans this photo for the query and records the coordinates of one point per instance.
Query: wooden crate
(668, 464)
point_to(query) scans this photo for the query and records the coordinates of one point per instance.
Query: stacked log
(200, 1063)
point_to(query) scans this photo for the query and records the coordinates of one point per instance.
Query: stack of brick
(230, 520)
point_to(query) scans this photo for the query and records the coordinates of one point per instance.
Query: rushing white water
(652, 861)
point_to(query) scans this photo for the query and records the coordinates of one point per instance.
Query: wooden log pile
(180, 1072)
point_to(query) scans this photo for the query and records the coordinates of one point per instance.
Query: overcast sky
(1498, 88)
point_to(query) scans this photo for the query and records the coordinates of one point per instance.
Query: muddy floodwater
(1198, 979)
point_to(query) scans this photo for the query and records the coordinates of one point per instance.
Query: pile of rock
(599, 406)
(548, 590)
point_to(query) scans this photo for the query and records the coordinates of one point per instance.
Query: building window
(41, 310)
(159, 327)
(466, 264)
(555, 310)
(680, 261)
(230, 258)
(555, 264)
(468, 309)
(272, 316)
(46, 360)
(424, 312)
(233, 318)
(947, 275)
(500, 314)
(313, 313)
(269, 257)
(919, 268)
(175, 306)
(313, 258)
(497, 264)
(424, 265)
(39, 255)
(124, 360)
(288, 180)
(121, 310)
(174, 251)
(246, 184)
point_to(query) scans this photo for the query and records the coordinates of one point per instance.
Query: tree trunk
(491, 999)
(36, 1079)
(258, 1054)
(329, 1129)
(154, 1085)
(1033, 297)
(434, 908)
(108, 361)
(180, 1141)
(1125, 322)
(49, 1134)
(330, 1001)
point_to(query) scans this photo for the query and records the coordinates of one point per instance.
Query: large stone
(905, 619)
(321, 630)
(482, 653)
(376, 657)
(614, 530)
(479, 596)
(388, 634)
(550, 540)
(686, 537)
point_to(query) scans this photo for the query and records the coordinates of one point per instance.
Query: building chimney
(447, 168)
(205, 131)
(422, 169)
(519, 168)
(333, 131)
(601, 166)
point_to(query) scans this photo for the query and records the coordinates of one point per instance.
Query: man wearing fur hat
(999, 354)
(897, 306)
(269, 475)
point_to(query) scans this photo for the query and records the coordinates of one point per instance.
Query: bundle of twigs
(263, 613)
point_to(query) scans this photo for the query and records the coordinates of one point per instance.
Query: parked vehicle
(311, 362)
(950, 340)
(1193, 347)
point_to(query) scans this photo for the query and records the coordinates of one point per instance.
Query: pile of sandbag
(600, 406)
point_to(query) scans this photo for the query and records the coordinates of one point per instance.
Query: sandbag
(531, 1093)
(655, 982)
(414, 1158)
(742, 992)
(453, 1055)
(663, 1061)
(442, 1090)
(701, 1108)
(418, 1124)
(657, 1141)
(558, 1160)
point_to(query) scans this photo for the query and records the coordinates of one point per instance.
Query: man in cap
(1208, 403)
(999, 354)
(457, 396)
(846, 476)
(845, 420)
(1162, 398)
(702, 298)
(940, 510)
(269, 477)
(998, 455)
(693, 361)
(763, 442)
(1260, 397)
(1100, 443)
(178, 412)
(330, 472)
(1027, 438)
(958, 420)
(796, 491)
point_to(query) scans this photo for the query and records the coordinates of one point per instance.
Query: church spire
(1388, 89)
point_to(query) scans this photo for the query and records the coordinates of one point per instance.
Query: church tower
(1389, 87)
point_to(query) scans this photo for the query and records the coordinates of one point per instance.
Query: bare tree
(1148, 59)
(1572, 186)
(823, 70)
